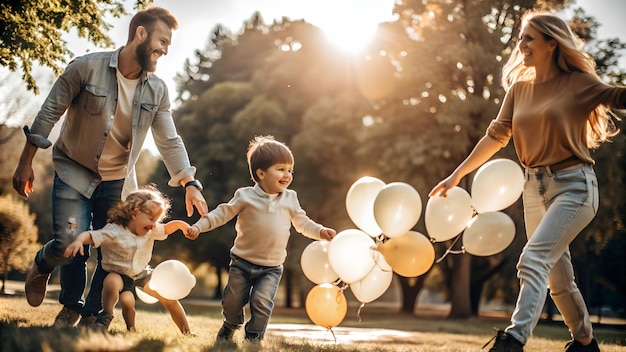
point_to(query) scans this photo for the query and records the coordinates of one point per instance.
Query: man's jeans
(252, 283)
(72, 214)
(557, 207)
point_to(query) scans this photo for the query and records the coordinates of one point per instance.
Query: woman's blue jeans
(557, 207)
(252, 283)
(73, 213)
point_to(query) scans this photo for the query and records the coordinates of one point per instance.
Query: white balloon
(446, 217)
(397, 208)
(488, 233)
(144, 297)
(497, 184)
(360, 204)
(315, 264)
(172, 280)
(351, 255)
(375, 283)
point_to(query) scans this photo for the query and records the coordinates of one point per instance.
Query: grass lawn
(23, 328)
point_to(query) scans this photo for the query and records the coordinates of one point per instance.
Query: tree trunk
(4, 276)
(411, 287)
(460, 295)
(288, 289)
(218, 288)
(476, 289)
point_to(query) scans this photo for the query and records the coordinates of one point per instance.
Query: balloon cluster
(486, 230)
(383, 244)
(171, 279)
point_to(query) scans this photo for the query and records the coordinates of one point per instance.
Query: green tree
(18, 236)
(32, 31)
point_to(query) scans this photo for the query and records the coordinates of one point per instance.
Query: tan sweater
(263, 224)
(548, 120)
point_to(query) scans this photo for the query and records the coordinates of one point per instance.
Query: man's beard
(144, 53)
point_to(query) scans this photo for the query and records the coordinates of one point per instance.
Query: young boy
(265, 213)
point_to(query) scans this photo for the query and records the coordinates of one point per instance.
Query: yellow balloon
(409, 255)
(326, 305)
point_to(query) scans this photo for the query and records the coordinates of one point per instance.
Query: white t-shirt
(114, 159)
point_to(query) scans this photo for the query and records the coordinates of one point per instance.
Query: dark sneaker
(253, 337)
(575, 346)
(66, 318)
(102, 321)
(87, 322)
(225, 333)
(505, 343)
(36, 285)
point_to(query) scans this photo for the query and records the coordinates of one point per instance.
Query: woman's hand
(444, 186)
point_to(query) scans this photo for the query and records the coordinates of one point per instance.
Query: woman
(555, 109)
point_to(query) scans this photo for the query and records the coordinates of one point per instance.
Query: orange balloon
(326, 305)
(409, 255)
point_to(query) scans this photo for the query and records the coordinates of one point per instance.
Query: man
(112, 99)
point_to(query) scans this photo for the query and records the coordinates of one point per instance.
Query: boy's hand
(74, 248)
(192, 232)
(327, 233)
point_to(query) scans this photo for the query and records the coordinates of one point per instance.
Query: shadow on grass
(47, 339)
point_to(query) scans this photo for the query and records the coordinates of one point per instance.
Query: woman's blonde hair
(148, 199)
(569, 56)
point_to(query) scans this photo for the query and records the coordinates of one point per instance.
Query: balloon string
(377, 260)
(333, 333)
(450, 251)
(358, 312)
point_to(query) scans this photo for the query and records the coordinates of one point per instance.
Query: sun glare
(350, 25)
(349, 37)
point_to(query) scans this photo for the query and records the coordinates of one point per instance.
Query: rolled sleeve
(184, 173)
(37, 140)
(501, 128)
(499, 131)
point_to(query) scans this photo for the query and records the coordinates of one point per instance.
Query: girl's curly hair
(147, 199)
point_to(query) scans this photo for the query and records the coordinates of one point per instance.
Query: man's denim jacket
(87, 90)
